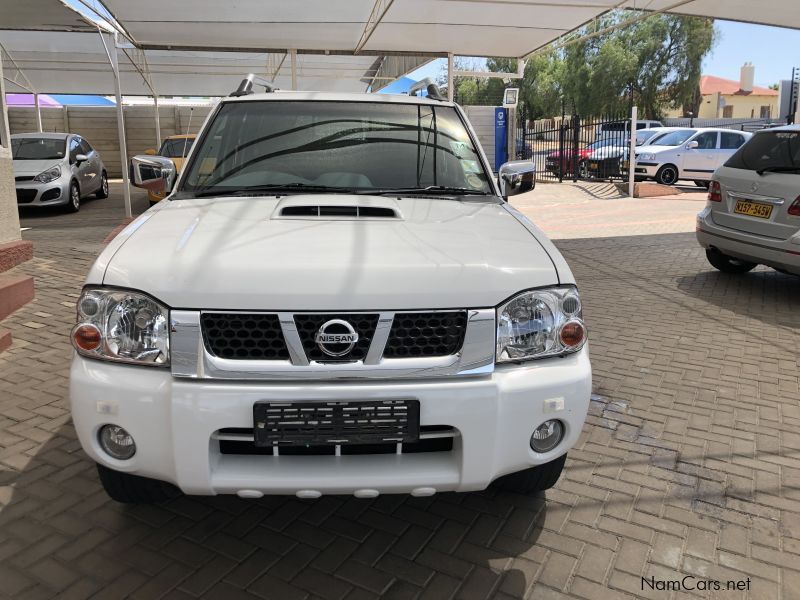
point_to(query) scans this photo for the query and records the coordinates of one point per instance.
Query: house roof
(709, 84)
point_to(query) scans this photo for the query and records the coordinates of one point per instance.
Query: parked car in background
(56, 169)
(175, 147)
(620, 130)
(607, 161)
(570, 160)
(686, 153)
(753, 212)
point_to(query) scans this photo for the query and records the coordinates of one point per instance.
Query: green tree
(597, 68)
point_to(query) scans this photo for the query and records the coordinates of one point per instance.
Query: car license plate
(335, 422)
(625, 164)
(594, 165)
(753, 209)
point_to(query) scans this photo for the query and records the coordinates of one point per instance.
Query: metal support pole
(293, 54)
(632, 155)
(450, 78)
(158, 123)
(38, 113)
(123, 147)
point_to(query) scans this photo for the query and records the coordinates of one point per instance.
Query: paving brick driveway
(688, 464)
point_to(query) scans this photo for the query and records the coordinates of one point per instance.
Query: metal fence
(574, 147)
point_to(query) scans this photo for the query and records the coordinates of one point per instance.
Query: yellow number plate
(593, 165)
(753, 209)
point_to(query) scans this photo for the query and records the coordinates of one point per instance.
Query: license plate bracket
(336, 422)
(753, 209)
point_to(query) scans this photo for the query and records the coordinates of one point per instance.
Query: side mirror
(79, 158)
(153, 173)
(150, 152)
(516, 177)
(692, 145)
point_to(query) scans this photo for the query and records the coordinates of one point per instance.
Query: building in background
(729, 99)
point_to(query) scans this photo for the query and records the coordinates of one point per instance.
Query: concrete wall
(9, 220)
(99, 126)
(482, 119)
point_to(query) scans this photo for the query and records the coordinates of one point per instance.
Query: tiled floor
(689, 463)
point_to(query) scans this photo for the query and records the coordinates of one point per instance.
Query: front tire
(535, 479)
(728, 264)
(74, 203)
(667, 175)
(133, 489)
(103, 191)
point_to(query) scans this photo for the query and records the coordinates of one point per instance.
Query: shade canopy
(203, 48)
(509, 28)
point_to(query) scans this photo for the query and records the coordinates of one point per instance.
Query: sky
(772, 50)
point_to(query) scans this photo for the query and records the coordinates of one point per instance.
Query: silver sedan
(56, 169)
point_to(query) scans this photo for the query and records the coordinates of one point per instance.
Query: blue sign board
(500, 136)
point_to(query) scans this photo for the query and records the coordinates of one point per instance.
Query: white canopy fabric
(511, 28)
(41, 15)
(76, 63)
(778, 13)
(469, 27)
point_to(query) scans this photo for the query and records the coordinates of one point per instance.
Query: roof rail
(246, 87)
(429, 86)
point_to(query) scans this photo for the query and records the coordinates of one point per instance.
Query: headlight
(540, 323)
(646, 156)
(48, 176)
(123, 326)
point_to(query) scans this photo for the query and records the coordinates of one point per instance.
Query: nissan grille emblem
(336, 337)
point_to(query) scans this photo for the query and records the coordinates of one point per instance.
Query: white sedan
(684, 153)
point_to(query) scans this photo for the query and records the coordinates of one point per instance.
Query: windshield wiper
(431, 189)
(271, 189)
(778, 169)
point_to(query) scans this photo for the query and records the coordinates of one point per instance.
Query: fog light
(117, 442)
(547, 436)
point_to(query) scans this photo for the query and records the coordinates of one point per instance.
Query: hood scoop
(336, 207)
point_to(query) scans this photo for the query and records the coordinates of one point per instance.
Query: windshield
(672, 138)
(774, 150)
(336, 145)
(176, 148)
(644, 135)
(38, 148)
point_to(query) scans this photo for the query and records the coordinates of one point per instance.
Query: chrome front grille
(283, 346)
(426, 334)
(242, 336)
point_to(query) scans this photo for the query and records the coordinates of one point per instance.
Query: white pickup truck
(335, 298)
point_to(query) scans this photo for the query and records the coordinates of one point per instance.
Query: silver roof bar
(429, 86)
(246, 87)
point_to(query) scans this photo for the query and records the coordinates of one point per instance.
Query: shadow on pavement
(60, 535)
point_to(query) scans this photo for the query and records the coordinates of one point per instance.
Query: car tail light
(794, 209)
(714, 192)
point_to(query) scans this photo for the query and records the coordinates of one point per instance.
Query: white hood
(238, 253)
(34, 167)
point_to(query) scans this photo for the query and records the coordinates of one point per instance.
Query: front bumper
(30, 193)
(779, 254)
(173, 420)
(646, 170)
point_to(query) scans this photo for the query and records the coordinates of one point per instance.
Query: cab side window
(707, 140)
(74, 149)
(731, 141)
